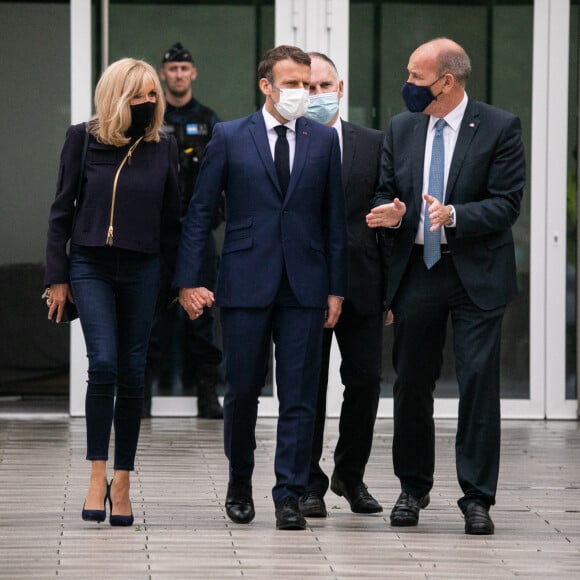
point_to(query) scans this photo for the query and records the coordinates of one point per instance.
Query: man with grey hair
(360, 329)
(452, 179)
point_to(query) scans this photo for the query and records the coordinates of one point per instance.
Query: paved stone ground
(181, 530)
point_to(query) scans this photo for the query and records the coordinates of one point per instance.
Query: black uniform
(192, 126)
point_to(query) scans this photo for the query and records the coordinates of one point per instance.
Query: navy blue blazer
(305, 230)
(485, 185)
(146, 217)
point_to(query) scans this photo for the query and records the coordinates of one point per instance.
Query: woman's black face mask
(141, 117)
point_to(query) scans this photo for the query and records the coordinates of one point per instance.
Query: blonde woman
(117, 206)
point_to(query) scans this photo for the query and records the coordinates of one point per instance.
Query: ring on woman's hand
(48, 302)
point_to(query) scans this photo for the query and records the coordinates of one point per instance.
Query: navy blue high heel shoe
(96, 515)
(117, 520)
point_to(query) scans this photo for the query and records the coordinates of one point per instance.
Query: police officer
(192, 124)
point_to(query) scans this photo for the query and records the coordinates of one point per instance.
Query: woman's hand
(56, 297)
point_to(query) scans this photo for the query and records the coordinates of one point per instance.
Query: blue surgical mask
(418, 97)
(322, 107)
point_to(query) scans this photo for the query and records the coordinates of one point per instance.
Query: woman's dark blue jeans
(115, 292)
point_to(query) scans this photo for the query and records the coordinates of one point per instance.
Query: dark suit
(282, 257)
(473, 283)
(360, 328)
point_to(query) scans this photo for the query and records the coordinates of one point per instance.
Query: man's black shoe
(239, 503)
(358, 496)
(477, 520)
(288, 516)
(406, 511)
(312, 505)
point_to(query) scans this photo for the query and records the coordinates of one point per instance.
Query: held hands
(194, 300)
(439, 215)
(56, 298)
(387, 215)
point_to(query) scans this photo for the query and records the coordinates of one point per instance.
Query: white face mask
(293, 103)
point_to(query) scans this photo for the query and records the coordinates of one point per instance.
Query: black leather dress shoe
(406, 511)
(358, 496)
(239, 503)
(312, 505)
(477, 520)
(288, 516)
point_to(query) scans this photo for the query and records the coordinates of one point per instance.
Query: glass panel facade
(383, 35)
(35, 72)
(573, 207)
(227, 39)
(226, 55)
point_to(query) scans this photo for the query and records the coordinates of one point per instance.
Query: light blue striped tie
(432, 247)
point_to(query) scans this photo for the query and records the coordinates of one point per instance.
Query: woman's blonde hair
(121, 82)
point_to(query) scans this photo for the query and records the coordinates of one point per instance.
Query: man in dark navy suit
(452, 179)
(282, 272)
(359, 331)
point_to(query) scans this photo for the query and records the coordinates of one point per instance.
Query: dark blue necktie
(282, 157)
(432, 247)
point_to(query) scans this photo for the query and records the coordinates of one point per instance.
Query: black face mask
(141, 117)
(418, 97)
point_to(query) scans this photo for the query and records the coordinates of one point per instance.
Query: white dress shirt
(338, 126)
(272, 122)
(450, 133)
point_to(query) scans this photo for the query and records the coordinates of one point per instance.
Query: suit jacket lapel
(419, 136)
(300, 154)
(260, 137)
(348, 146)
(467, 130)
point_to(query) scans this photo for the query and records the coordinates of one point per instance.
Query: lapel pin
(304, 132)
(472, 125)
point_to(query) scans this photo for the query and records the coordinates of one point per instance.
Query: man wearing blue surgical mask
(360, 327)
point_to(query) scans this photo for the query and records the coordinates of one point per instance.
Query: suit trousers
(421, 308)
(359, 337)
(297, 336)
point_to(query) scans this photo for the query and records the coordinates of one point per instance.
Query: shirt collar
(272, 122)
(338, 125)
(454, 118)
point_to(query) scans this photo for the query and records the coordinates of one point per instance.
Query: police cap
(176, 53)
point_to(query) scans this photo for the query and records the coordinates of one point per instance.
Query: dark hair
(325, 59)
(274, 55)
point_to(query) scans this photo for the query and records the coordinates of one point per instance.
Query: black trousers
(359, 339)
(421, 307)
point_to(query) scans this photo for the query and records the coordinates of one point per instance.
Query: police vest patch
(196, 129)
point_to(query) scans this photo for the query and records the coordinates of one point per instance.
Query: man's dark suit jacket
(303, 231)
(485, 184)
(362, 150)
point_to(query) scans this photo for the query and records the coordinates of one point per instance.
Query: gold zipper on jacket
(127, 158)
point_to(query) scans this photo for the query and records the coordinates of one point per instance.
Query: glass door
(382, 36)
